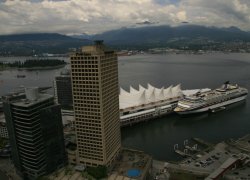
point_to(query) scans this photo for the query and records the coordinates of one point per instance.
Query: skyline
(95, 16)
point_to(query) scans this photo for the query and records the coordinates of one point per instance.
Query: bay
(157, 137)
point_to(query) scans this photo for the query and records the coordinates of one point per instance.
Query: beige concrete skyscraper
(96, 104)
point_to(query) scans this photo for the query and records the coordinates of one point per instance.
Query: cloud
(95, 16)
(182, 16)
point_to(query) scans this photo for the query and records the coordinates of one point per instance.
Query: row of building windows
(95, 90)
(90, 151)
(81, 57)
(86, 131)
(85, 72)
(93, 138)
(88, 111)
(87, 118)
(86, 92)
(89, 127)
(93, 157)
(89, 142)
(87, 107)
(85, 97)
(85, 82)
(97, 146)
(78, 71)
(83, 65)
(93, 77)
(83, 135)
(81, 101)
(78, 89)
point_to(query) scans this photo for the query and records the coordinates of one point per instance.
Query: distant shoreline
(178, 51)
(34, 68)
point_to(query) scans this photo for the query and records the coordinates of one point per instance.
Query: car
(204, 165)
(209, 162)
(209, 159)
(197, 164)
(235, 156)
(156, 177)
(203, 162)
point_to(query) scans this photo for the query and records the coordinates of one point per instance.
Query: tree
(97, 172)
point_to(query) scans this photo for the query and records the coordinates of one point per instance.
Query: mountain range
(168, 36)
(38, 43)
(124, 38)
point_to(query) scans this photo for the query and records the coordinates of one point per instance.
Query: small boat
(20, 76)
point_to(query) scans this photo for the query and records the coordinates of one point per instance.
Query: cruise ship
(211, 100)
(150, 103)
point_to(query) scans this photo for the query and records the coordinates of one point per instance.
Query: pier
(202, 142)
(184, 154)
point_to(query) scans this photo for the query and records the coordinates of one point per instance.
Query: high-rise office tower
(94, 73)
(63, 90)
(35, 130)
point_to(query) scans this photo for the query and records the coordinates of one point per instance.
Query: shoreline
(145, 52)
(33, 68)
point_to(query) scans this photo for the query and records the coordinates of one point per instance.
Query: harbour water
(157, 137)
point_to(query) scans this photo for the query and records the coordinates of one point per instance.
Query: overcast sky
(95, 16)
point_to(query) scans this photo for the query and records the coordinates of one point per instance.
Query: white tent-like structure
(147, 95)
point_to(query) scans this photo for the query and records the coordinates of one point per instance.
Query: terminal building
(35, 131)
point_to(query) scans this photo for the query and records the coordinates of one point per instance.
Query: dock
(182, 153)
(202, 142)
(192, 149)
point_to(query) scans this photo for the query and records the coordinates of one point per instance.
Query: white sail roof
(176, 91)
(168, 92)
(123, 92)
(141, 88)
(133, 90)
(150, 87)
(159, 94)
(142, 99)
(146, 95)
(151, 97)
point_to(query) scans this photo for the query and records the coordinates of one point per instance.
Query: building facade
(35, 131)
(63, 89)
(94, 73)
(3, 128)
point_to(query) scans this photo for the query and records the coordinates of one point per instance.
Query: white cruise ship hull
(208, 108)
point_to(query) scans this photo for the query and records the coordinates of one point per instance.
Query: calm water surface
(157, 137)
